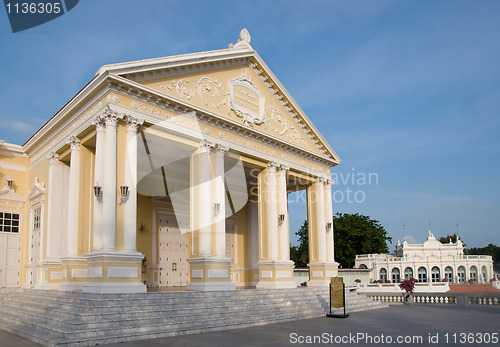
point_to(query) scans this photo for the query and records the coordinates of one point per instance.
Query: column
(330, 256)
(272, 220)
(73, 198)
(275, 270)
(130, 222)
(284, 232)
(207, 270)
(52, 196)
(321, 264)
(220, 198)
(98, 181)
(109, 184)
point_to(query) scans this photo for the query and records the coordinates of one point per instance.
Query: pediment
(37, 190)
(8, 194)
(239, 88)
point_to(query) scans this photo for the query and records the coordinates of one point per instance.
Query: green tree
(300, 254)
(491, 249)
(453, 238)
(357, 234)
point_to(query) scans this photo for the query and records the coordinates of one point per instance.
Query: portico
(176, 172)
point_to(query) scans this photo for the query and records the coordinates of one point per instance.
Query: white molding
(13, 167)
(95, 272)
(218, 273)
(122, 272)
(197, 274)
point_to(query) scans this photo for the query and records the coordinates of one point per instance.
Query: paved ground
(417, 324)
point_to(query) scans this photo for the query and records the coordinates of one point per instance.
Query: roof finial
(243, 40)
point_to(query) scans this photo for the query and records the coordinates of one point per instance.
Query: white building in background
(431, 262)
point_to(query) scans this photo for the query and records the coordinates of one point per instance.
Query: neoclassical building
(167, 172)
(429, 262)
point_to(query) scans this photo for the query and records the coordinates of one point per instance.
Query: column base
(276, 274)
(210, 273)
(320, 274)
(114, 272)
(74, 274)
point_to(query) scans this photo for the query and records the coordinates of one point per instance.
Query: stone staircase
(54, 318)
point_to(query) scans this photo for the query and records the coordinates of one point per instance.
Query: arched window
(422, 275)
(448, 273)
(461, 274)
(408, 273)
(383, 274)
(484, 274)
(473, 273)
(363, 266)
(436, 274)
(396, 275)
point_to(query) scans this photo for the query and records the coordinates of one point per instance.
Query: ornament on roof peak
(243, 40)
(431, 236)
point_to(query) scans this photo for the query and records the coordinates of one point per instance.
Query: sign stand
(337, 291)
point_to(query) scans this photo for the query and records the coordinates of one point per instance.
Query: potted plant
(408, 286)
(144, 264)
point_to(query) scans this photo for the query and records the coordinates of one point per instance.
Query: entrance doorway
(173, 253)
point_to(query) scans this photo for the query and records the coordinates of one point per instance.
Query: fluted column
(98, 181)
(130, 222)
(51, 214)
(220, 198)
(329, 221)
(321, 219)
(73, 197)
(109, 183)
(272, 220)
(203, 197)
(284, 232)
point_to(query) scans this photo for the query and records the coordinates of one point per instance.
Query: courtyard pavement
(397, 325)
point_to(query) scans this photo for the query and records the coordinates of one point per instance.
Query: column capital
(272, 166)
(74, 143)
(282, 168)
(220, 149)
(53, 158)
(110, 117)
(133, 123)
(321, 181)
(99, 122)
(205, 146)
(329, 182)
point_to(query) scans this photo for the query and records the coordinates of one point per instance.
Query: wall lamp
(328, 226)
(97, 190)
(10, 183)
(281, 218)
(216, 208)
(124, 190)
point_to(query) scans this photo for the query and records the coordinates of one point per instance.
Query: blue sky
(406, 90)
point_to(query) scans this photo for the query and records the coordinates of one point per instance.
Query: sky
(406, 92)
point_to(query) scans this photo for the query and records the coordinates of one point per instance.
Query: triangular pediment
(234, 84)
(37, 190)
(8, 194)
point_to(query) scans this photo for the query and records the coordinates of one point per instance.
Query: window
(37, 212)
(422, 275)
(461, 274)
(408, 273)
(396, 277)
(473, 273)
(436, 274)
(9, 222)
(484, 274)
(383, 275)
(448, 273)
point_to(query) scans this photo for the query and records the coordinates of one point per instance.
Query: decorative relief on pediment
(243, 97)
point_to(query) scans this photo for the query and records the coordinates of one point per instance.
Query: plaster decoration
(220, 149)
(272, 166)
(110, 117)
(243, 40)
(122, 272)
(95, 272)
(133, 123)
(283, 274)
(246, 100)
(37, 190)
(283, 168)
(149, 109)
(53, 158)
(205, 146)
(217, 274)
(7, 194)
(79, 273)
(321, 181)
(266, 274)
(56, 275)
(209, 90)
(197, 274)
(99, 122)
(246, 143)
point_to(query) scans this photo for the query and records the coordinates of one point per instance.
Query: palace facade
(429, 262)
(167, 172)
